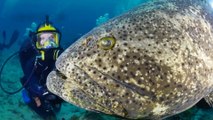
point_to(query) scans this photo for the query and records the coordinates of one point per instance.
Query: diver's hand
(37, 101)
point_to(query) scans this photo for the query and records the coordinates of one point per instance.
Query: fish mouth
(92, 91)
(80, 89)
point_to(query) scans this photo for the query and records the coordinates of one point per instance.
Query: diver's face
(46, 37)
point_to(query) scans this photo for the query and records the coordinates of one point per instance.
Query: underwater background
(73, 18)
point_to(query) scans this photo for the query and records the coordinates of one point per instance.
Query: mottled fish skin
(160, 65)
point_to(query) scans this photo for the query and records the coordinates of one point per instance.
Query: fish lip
(88, 94)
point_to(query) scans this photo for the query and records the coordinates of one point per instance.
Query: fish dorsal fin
(209, 99)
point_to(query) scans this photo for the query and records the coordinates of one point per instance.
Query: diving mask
(47, 40)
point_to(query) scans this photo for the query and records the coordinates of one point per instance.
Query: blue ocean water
(74, 18)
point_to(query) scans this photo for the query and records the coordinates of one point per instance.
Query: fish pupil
(106, 43)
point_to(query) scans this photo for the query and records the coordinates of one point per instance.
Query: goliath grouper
(151, 62)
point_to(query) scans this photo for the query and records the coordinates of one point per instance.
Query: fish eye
(107, 43)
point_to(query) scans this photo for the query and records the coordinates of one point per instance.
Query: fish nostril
(74, 54)
(87, 41)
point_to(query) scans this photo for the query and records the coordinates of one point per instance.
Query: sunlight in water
(211, 2)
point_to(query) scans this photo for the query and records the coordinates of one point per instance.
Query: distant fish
(152, 62)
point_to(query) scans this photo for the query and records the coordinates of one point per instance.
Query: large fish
(151, 62)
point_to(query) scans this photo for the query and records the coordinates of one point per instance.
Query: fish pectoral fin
(209, 99)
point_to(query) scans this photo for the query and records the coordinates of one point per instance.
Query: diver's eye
(107, 43)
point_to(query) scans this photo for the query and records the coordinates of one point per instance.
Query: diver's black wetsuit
(35, 75)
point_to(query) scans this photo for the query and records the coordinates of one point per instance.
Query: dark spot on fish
(146, 63)
(139, 58)
(126, 94)
(125, 44)
(119, 77)
(139, 81)
(134, 56)
(79, 77)
(152, 82)
(94, 72)
(182, 64)
(161, 77)
(185, 89)
(114, 57)
(121, 66)
(99, 60)
(117, 85)
(127, 101)
(93, 91)
(132, 74)
(166, 86)
(76, 74)
(94, 51)
(125, 35)
(127, 56)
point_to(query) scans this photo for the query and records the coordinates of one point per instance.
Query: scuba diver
(37, 56)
